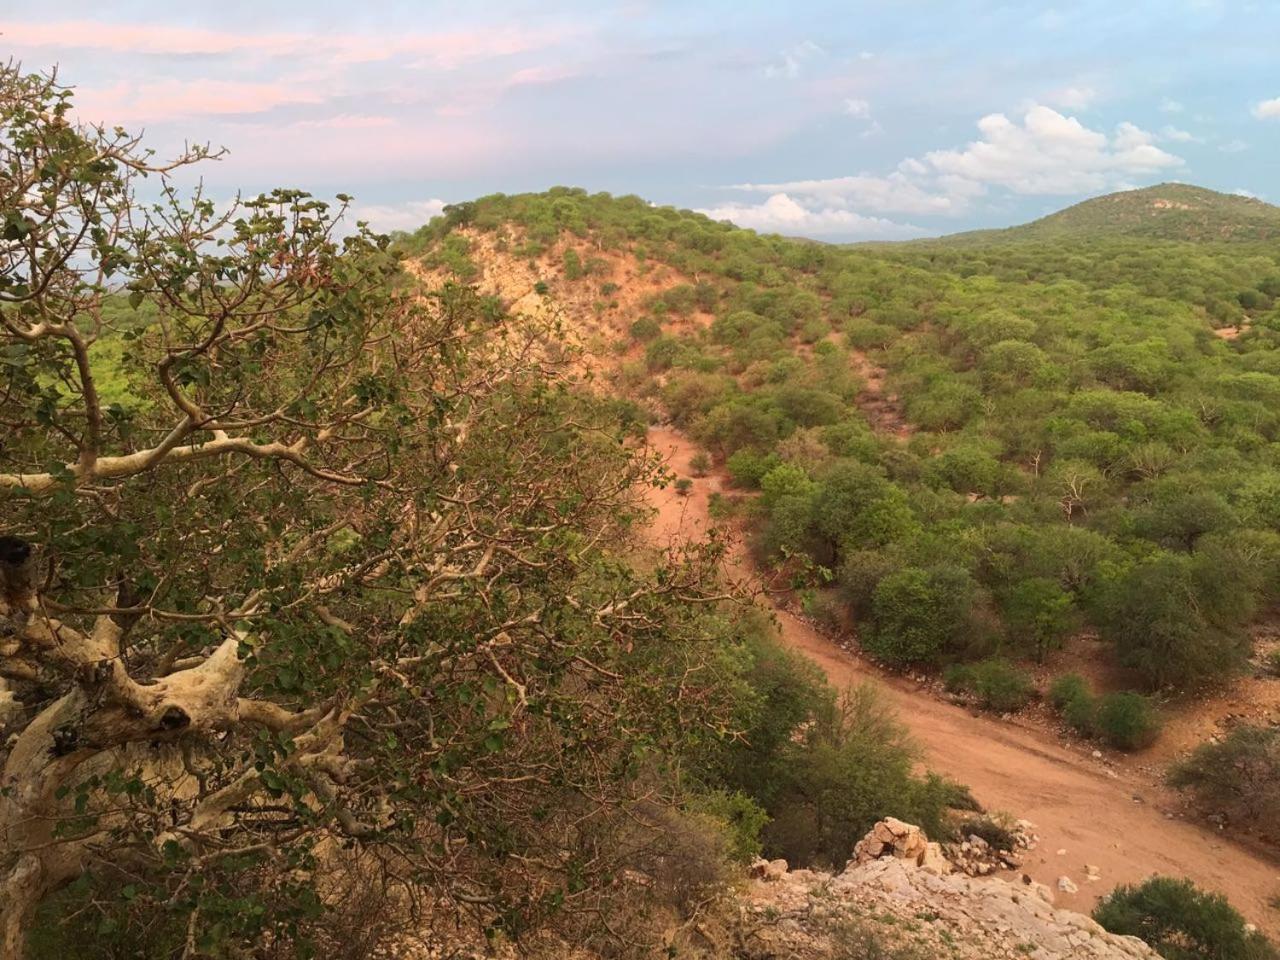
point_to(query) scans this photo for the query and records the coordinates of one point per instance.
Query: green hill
(1167, 211)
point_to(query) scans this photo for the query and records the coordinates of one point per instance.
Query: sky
(839, 121)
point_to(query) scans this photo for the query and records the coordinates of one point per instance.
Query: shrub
(1066, 689)
(719, 507)
(646, 329)
(747, 467)
(572, 265)
(684, 486)
(1081, 715)
(1181, 922)
(996, 684)
(919, 613)
(1177, 620)
(741, 818)
(1239, 776)
(1126, 720)
(700, 463)
(662, 353)
(851, 767)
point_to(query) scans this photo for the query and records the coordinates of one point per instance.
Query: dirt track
(1078, 804)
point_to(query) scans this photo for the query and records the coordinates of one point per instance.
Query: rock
(775, 870)
(934, 860)
(1067, 885)
(891, 838)
(1091, 872)
(1062, 853)
(1097, 754)
(808, 917)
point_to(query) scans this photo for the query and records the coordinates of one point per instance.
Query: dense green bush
(850, 768)
(1238, 776)
(1081, 715)
(920, 613)
(1126, 720)
(1067, 689)
(996, 684)
(1181, 922)
(646, 329)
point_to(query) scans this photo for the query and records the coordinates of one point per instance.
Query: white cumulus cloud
(1049, 153)
(781, 213)
(1268, 109)
(896, 193)
(402, 216)
(1045, 153)
(792, 60)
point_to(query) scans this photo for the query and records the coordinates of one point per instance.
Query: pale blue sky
(840, 121)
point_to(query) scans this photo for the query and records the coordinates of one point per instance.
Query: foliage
(995, 833)
(996, 684)
(305, 587)
(1181, 922)
(1066, 689)
(848, 768)
(920, 614)
(1238, 776)
(1084, 448)
(1271, 663)
(1126, 720)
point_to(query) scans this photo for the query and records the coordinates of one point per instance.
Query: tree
(1177, 620)
(327, 595)
(1181, 922)
(1039, 610)
(1238, 776)
(919, 614)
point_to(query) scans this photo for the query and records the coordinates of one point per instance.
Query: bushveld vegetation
(1077, 447)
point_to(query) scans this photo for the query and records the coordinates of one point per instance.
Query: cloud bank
(1046, 153)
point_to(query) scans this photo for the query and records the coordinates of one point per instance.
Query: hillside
(1167, 211)
(1002, 468)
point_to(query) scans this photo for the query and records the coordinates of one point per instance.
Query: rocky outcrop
(902, 841)
(886, 894)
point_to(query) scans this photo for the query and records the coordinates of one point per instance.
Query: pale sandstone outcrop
(804, 914)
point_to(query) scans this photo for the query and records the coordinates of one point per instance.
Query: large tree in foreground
(304, 595)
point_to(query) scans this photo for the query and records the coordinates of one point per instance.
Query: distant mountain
(1167, 211)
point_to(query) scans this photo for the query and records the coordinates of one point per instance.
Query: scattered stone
(1067, 885)
(891, 838)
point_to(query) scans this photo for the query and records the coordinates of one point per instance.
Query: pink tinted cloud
(423, 149)
(445, 50)
(129, 103)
